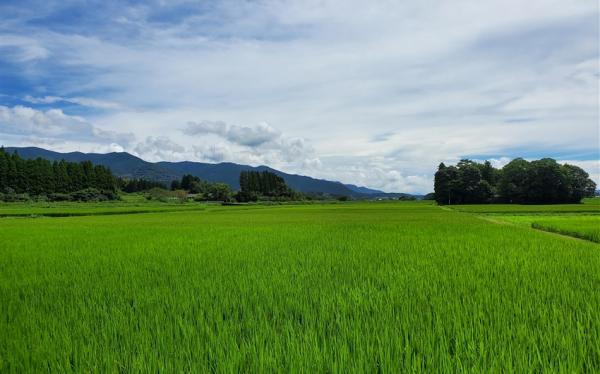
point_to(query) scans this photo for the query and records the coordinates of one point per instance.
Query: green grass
(65, 209)
(590, 208)
(592, 200)
(578, 226)
(577, 220)
(357, 287)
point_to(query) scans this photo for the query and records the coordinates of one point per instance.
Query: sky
(374, 93)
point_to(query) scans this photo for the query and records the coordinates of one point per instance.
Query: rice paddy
(356, 287)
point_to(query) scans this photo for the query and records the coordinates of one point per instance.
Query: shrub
(160, 194)
(92, 194)
(59, 197)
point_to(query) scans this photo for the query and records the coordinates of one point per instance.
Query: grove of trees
(263, 185)
(203, 190)
(526, 182)
(138, 185)
(58, 180)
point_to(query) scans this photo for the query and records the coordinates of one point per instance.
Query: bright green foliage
(390, 287)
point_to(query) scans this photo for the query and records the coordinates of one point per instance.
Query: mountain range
(126, 165)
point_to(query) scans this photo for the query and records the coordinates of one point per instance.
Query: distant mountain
(363, 190)
(126, 165)
(227, 172)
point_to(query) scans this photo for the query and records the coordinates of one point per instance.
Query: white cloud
(213, 153)
(374, 93)
(83, 101)
(22, 49)
(54, 124)
(248, 136)
(260, 144)
(159, 149)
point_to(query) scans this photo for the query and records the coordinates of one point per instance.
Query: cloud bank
(374, 93)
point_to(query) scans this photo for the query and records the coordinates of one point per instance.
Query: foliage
(429, 196)
(264, 185)
(36, 177)
(160, 194)
(138, 185)
(539, 182)
(203, 190)
(362, 287)
(91, 194)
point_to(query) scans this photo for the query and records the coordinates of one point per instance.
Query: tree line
(541, 181)
(57, 180)
(264, 185)
(254, 186)
(137, 185)
(203, 190)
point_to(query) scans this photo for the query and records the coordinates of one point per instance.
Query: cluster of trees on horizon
(137, 185)
(254, 186)
(264, 185)
(203, 190)
(541, 181)
(59, 180)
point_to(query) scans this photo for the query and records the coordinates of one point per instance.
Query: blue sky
(372, 93)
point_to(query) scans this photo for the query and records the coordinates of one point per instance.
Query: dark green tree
(446, 184)
(514, 180)
(578, 182)
(38, 176)
(264, 185)
(546, 182)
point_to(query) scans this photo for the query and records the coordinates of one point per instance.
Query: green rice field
(591, 206)
(578, 226)
(129, 204)
(352, 287)
(576, 220)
